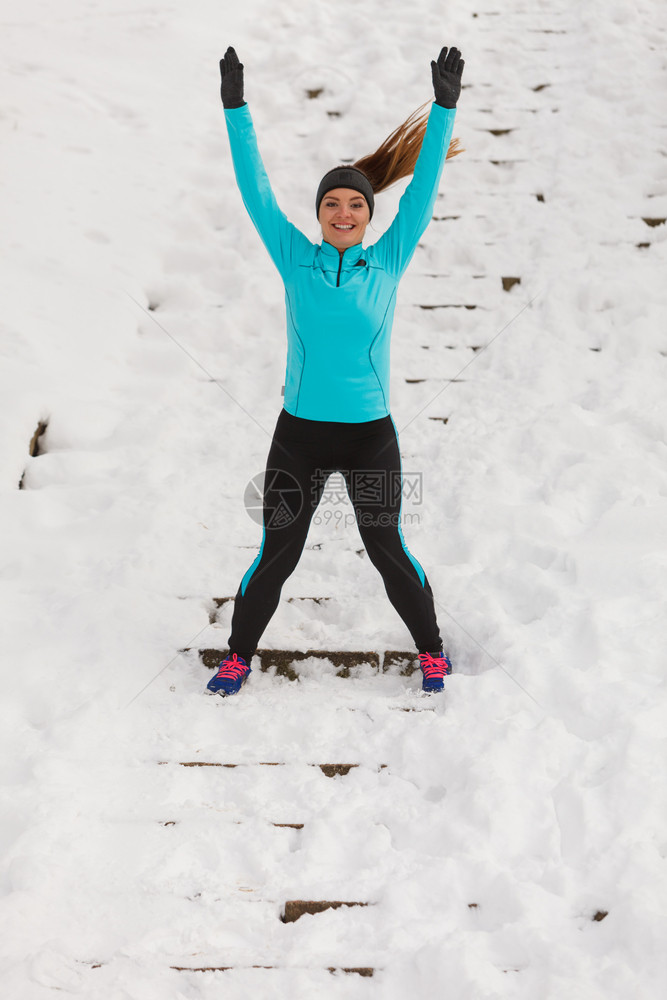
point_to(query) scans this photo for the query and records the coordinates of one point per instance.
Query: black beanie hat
(345, 177)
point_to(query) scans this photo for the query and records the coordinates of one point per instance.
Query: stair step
(359, 971)
(295, 908)
(219, 601)
(330, 770)
(283, 660)
(280, 826)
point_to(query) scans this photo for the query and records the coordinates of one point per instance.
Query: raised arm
(415, 209)
(284, 242)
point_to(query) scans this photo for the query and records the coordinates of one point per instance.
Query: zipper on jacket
(340, 264)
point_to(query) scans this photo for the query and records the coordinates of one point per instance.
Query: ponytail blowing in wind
(393, 159)
(397, 155)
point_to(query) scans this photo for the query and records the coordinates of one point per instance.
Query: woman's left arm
(398, 244)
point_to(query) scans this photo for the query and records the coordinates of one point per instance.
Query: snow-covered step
(219, 602)
(285, 662)
(287, 970)
(330, 770)
(209, 965)
(296, 908)
(451, 291)
(35, 447)
(455, 207)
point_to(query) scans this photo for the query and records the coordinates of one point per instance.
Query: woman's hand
(447, 77)
(231, 86)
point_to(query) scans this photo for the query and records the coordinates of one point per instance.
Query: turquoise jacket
(340, 308)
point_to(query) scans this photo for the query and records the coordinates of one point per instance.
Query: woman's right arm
(284, 242)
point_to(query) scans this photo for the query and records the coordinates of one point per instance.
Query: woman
(340, 301)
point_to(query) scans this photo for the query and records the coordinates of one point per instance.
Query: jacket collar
(350, 256)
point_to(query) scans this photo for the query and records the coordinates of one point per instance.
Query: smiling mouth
(342, 228)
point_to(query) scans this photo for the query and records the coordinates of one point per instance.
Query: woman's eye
(332, 204)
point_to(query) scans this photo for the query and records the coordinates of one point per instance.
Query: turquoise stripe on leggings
(246, 579)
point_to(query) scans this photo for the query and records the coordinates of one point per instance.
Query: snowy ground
(513, 845)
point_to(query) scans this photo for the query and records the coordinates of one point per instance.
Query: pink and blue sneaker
(435, 667)
(231, 676)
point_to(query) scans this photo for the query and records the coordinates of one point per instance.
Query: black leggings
(303, 453)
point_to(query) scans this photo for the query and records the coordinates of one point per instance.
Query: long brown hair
(397, 155)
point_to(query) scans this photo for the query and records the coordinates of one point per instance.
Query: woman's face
(344, 215)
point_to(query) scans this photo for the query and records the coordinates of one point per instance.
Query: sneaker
(230, 677)
(434, 667)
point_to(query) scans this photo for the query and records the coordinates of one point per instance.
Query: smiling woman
(340, 301)
(344, 215)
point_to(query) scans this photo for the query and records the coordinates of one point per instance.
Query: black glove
(447, 77)
(231, 87)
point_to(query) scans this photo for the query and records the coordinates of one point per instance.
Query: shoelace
(232, 668)
(434, 666)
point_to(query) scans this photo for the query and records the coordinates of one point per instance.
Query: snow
(510, 838)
